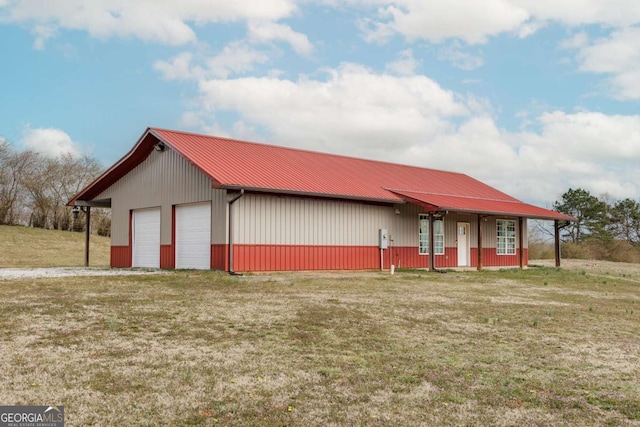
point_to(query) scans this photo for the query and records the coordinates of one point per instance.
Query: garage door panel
(193, 236)
(146, 238)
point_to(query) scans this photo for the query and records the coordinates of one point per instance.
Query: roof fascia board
(560, 216)
(107, 172)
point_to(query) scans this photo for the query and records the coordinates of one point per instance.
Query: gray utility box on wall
(384, 238)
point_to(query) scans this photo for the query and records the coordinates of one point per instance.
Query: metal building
(183, 200)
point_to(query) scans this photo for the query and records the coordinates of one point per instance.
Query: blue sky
(530, 96)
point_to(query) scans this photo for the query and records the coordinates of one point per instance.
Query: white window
(506, 237)
(438, 235)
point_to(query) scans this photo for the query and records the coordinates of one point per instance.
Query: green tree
(590, 213)
(625, 221)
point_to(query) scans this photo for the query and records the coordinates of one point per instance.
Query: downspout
(231, 202)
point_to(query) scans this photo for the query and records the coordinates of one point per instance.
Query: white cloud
(577, 41)
(412, 120)
(610, 13)
(179, 68)
(617, 55)
(404, 65)
(455, 54)
(354, 109)
(266, 32)
(235, 58)
(473, 22)
(50, 142)
(164, 21)
(590, 150)
(42, 34)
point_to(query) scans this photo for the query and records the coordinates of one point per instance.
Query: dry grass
(35, 247)
(534, 348)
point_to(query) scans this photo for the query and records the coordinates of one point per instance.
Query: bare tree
(14, 166)
(36, 182)
(35, 189)
(68, 176)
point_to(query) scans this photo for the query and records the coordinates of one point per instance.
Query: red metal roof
(234, 164)
(510, 207)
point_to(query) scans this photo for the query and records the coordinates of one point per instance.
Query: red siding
(292, 257)
(305, 257)
(408, 257)
(121, 256)
(490, 258)
(167, 256)
(220, 257)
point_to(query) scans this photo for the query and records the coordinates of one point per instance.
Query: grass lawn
(541, 347)
(35, 247)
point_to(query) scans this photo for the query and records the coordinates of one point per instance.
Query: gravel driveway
(28, 273)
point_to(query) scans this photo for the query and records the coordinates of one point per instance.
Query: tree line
(34, 189)
(600, 219)
(604, 228)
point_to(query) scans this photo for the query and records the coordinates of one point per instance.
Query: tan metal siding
(219, 217)
(490, 230)
(164, 179)
(451, 229)
(405, 225)
(264, 219)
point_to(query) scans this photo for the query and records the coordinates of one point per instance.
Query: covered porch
(438, 206)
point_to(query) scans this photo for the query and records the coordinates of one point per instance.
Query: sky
(530, 96)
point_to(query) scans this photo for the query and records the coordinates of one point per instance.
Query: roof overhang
(334, 196)
(138, 154)
(134, 157)
(508, 207)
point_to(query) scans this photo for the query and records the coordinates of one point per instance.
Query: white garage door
(146, 238)
(193, 236)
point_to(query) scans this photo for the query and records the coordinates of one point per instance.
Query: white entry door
(193, 236)
(146, 238)
(464, 244)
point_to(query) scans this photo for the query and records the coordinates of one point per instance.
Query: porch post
(521, 239)
(556, 228)
(479, 242)
(432, 252)
(86, 237)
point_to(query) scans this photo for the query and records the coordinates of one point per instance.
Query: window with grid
(506, 237)
(438, 235)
